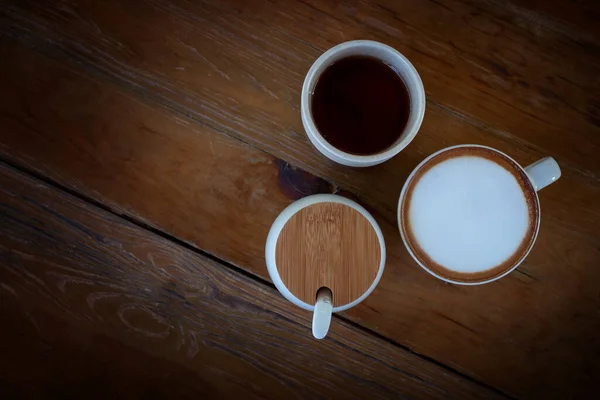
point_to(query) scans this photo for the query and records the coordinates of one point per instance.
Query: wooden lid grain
(328, 245)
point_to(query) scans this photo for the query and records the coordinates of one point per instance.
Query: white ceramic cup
(322, 311)
(391, 57)
(541, 174)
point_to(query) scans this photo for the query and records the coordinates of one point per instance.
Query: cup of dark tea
(362, 103)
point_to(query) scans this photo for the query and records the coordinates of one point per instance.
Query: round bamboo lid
(331, 245)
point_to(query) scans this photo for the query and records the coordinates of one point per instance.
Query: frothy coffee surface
(469, 214)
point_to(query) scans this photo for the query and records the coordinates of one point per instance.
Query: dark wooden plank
(214, 70)
(492, 64)
(578, 18)
(221, 195)
(44, 356)
(83, 289)
(220, 60)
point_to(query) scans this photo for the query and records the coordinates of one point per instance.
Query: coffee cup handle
(322, 313)
(543, 172)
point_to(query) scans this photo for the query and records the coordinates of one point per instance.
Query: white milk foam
(468, 214)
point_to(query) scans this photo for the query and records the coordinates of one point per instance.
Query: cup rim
(355, 159)
(285, 216)
(404, 240)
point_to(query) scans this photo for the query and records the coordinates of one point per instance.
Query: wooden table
(147, 146)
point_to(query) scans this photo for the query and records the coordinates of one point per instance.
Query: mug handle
(543, 172)
(322, 313)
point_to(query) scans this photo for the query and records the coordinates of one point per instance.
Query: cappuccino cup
(470, 214)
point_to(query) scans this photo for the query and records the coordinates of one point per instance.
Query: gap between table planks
(221, 195)
(92, 303)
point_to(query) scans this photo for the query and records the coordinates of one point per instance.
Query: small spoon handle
(322, 313)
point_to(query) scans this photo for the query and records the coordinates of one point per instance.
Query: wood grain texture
(328, 245)
(212, 69)
(181, 172)
(90, 301)
(577, 19)
(493, 65)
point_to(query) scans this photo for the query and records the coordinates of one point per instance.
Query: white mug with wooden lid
(325, 253)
